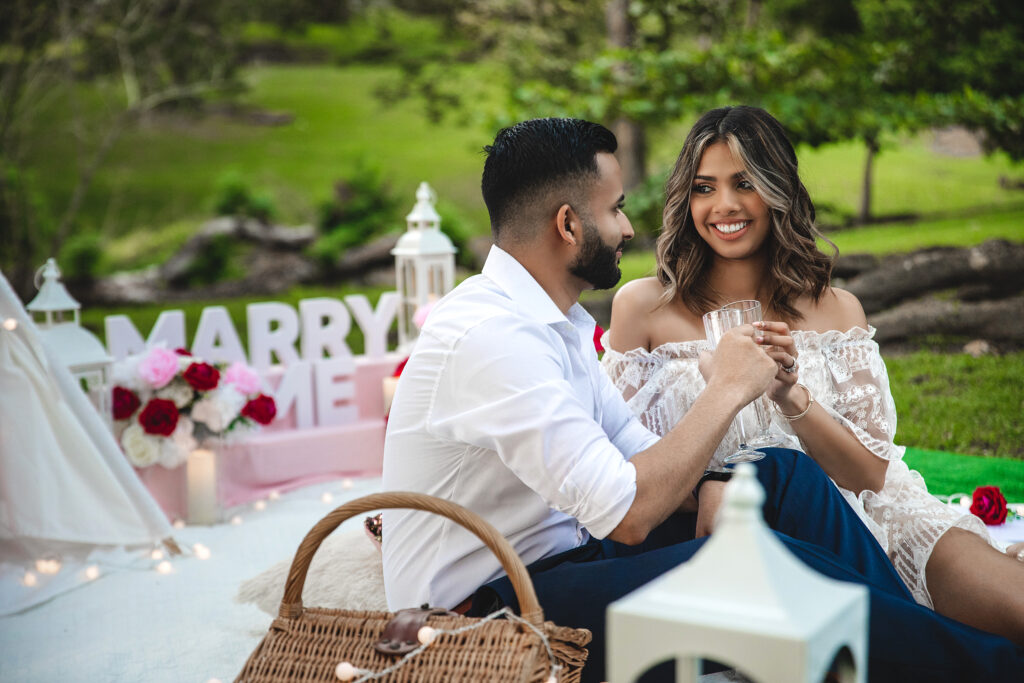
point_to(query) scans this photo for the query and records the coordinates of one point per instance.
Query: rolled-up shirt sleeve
(507, 390)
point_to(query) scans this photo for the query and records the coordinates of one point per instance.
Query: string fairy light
(164, 567)
(48, 565)
(236, 520)
(92, 572)
(179, 524)
(29, 580)
(347, 671)
(10, 324)
(201, 551)
(274, 495)
(327, 497)
(259, 505)
(346, 483)
(157, 554)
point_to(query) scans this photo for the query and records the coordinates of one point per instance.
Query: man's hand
(739, 367)
(707, 506)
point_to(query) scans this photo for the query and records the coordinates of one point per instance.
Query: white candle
(203, 507)
(389, 386)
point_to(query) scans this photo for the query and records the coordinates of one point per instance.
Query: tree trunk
(753, 13)
(864, 215)
(632, 152)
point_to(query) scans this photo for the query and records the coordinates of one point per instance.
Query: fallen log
(1001, 320)
(996, 262)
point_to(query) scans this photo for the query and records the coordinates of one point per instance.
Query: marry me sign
(330, 406)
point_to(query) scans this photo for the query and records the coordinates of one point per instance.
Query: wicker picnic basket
(307, 643)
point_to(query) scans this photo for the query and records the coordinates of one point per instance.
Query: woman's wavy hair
(795, 264)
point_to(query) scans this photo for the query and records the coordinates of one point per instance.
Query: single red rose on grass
(989, 504)
(598, 333)
(125, 403)
(202, 376)
(160, 416)
(262, 409)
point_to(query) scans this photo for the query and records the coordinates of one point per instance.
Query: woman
(739, 224)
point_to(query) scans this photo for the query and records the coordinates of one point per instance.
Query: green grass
(954, 402)
(167, 170)
(950, 473)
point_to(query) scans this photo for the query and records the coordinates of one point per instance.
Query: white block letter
(335, 390)
(325, 324)
(123, 339)
(263, 341)
(217, 339)
(374, 324)
(296, 387)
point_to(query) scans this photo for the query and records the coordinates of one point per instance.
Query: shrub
(235, 198)
(81, 258)
(362, 208)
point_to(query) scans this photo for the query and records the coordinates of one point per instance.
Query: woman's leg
(972, 582)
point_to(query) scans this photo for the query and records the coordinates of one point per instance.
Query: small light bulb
(48, 565)
(236, 520)
(426, 635)
(274, 495)
(179, 524)
(10, 324)
(345, 671)
(92, 572)
(164, 567)
(213, 680)
(157, 554)
(346, 483)
(29, 580)
(327, 497)
(201, 551)
(259, 505)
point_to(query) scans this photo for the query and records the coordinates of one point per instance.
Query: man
(504, 409)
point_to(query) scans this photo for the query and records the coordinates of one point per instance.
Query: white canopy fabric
(65, 486)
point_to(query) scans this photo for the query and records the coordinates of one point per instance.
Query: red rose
(598, 332)
(202, 376)
(182, 351)
(989, 504)
(125, 403)
(160, 416)
(262, 409)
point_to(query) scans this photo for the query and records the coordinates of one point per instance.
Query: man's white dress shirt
(504, 409)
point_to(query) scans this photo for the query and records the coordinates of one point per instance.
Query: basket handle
(291, 603)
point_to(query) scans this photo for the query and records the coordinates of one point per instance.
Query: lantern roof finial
(53, 296)
(423, 214)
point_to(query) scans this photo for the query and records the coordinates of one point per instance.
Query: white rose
(174, 449)
(178, 391)
(142, 449)
(125, 374)
(207, 412)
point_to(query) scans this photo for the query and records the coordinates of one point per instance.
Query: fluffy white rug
(345, 573)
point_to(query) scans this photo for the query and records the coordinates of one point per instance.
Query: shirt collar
(505, 271)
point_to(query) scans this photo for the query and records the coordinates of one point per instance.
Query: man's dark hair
(536, 161)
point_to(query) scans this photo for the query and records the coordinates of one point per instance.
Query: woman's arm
(838, 450)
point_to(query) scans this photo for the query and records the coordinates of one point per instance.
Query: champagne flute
(749, 311)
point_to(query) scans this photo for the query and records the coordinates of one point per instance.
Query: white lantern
(745, 601)
(424, 264)
(60, 328)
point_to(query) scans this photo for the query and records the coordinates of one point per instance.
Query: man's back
(502, 408)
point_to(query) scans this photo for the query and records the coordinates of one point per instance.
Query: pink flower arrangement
(166, 402)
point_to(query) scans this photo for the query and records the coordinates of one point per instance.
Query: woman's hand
(776, 340)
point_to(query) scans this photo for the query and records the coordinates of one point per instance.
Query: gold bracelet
(810, 402)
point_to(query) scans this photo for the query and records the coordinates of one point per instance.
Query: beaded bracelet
(810, 402)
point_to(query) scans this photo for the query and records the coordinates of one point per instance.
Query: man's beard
(597, 263)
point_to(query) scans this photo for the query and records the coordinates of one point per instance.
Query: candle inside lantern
(202, 487)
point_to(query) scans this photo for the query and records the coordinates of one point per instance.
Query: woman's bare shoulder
(837, 309)
(633, 311)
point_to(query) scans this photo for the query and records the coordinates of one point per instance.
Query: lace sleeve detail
(849, 379)
(659, 386)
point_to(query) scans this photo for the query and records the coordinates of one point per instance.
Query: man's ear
(567, 224)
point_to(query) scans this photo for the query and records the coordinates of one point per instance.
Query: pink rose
(245, 379)
(159, 367)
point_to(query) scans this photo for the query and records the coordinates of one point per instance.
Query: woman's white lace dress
(846, 374)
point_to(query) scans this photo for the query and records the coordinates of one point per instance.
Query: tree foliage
(144, 55)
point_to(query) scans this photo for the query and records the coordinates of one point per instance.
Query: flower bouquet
(166, 402)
